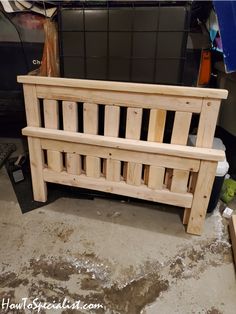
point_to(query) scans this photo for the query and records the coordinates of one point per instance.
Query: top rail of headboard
(126, 87)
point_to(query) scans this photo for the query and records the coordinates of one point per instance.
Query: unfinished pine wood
(111, 128)
(92, 164)
(133, 123)
(90, 118)
(207, 123)
(113, 170)
(128, 144)
(181, 127)
(112, 121)
(51, 121)
(70, 116)
(156, 125)
(70, 123)
(192, 186)
(179, 181)
(130, 99)
(32, 106)
(201, 197)
(122, 188)
(125, 87)
(156, 157)
(156, 177)
(126, 155)
(36, 166)
(133, 171)
(186, 215)
(156, 130)
(232, 230)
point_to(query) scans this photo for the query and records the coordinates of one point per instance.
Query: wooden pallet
(66, 145)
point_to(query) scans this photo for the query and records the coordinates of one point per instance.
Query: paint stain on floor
(50, 279)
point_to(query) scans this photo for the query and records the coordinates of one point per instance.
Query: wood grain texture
(70, 116)
(112, 121)
(111, 128)
(32, 106)
(156, 125)
(201, 197)
(181, 127)
(70, 123)
(51, 121)
(207, 123)
(92, 163)
(125, 87)
(133, 123)
(36, 166)
(191, 186)
(182, 121)
(130, 99)
(122, 188)
(133, 171)
(122, 154)
(156, 177)
(132, 145)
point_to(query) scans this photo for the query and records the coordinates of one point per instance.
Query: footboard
(112, 137)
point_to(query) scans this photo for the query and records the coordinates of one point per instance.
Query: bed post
(36, 166)
(35, 152)
(201, 197)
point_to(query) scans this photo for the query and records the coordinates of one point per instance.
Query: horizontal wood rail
(100, 184)
(125, 87)
(126, 144)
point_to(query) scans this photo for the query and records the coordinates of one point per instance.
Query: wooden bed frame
(74, 130)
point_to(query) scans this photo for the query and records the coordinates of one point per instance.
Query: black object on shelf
(136, 42)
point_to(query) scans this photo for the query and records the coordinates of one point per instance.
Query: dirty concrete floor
(130, 257)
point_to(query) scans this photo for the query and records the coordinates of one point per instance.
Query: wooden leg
(36, 165)
(186, 216)
(201, 197)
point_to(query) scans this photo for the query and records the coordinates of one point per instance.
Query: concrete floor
(130, 257)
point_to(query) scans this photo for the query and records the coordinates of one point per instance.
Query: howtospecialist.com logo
(37, 305)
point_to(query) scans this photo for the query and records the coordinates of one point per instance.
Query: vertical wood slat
(51, 121)
(154, 176)
(70, 123)
(36, 166)
(92, 164)
(32, 106)
(156, 125)
(111, 128)
(201, 197)
(207, 123)
(133, 171)
(179, 181)
(192, 186)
